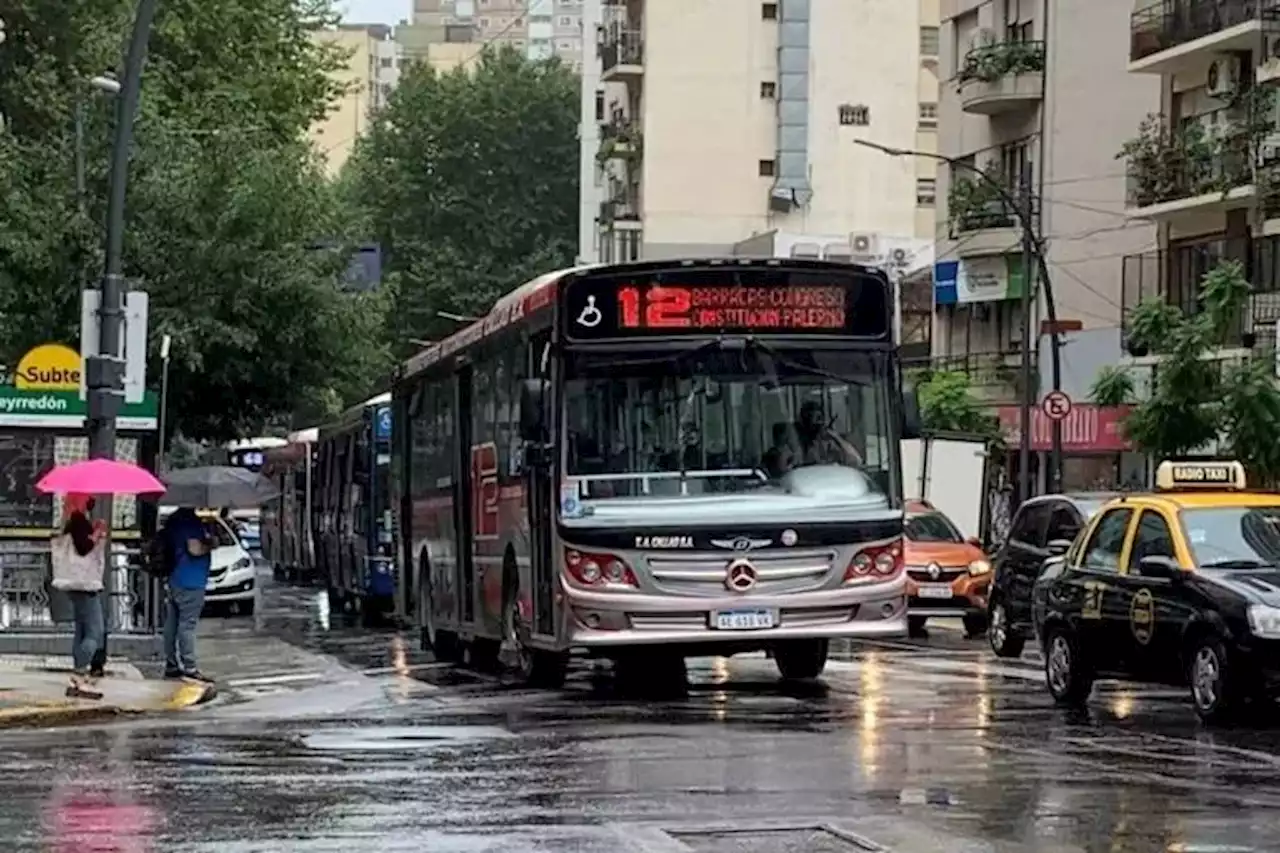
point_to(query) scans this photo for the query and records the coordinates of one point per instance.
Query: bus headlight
(979, 567)
(598, 569)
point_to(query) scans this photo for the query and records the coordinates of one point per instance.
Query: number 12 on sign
(656, 308)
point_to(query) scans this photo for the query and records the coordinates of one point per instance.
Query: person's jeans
(86, 614)
(182, 614)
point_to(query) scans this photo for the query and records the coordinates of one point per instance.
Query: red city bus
(656, 460)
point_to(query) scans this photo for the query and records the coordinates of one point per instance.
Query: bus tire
(536, 667)
(443, 645)
(800, 660)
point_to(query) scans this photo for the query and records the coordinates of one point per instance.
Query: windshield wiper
(1237, 564)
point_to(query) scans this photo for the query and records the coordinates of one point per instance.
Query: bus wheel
(801, 659)
(537, 667)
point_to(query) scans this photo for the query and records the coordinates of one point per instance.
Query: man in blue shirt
(190, 546)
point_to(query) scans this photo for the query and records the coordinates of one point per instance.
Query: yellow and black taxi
(1178, 586)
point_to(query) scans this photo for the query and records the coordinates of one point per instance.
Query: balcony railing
(991, 62)
(1174, 276)
(1213, 152)
(986, 370)
(975, 204)
(621, 46)
(1169, 23)
(619, 137)
(623, 207)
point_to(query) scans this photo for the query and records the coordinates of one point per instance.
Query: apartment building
(538, 28)
(1038, 88)
(370, 74)
(722, 120)
(1204, 172)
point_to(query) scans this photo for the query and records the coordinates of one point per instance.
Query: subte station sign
(1056, 405)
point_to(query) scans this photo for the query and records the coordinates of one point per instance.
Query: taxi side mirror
(1159, 568)
(1058, 547)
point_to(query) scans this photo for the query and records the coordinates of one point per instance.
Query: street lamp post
(1032, 245)
(165, 343)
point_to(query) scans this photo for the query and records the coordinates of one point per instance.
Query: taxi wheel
(1004, 642)
(1067, 674)
(1215, 691)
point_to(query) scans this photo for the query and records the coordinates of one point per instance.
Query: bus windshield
(711, 420)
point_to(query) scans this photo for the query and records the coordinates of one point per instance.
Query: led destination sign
(604, 309)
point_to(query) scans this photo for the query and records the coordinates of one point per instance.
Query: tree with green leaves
(948, 404)
(226, 204)
(469, 180)
(1195, 401)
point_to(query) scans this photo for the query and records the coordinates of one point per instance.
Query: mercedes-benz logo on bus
(741, 576)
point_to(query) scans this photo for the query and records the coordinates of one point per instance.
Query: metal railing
(1173, 276)
(984, 369)
(993, 61)
(1206, 153)
(621, 46)
(27, 603)
(1168, 23)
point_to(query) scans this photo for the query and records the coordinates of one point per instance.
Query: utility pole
(104, 373)
(1026, 202)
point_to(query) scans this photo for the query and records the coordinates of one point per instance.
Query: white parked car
(232, 578)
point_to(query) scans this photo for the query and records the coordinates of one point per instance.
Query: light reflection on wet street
(350, 739)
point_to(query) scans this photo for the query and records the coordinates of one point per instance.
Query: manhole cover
(810, 839)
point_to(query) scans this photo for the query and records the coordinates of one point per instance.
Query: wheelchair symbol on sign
(590, 316)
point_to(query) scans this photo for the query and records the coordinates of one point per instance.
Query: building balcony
(1169, 36)
(622, 54)
(994, 377)
(982, 220)
(1173, 276)
(1204, 165)
(1002, 78)
(620, 213)
(619, 139)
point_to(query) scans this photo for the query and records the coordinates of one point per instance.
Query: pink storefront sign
(1086, 429)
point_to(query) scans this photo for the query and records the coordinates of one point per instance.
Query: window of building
(599, 105)
(926, 192)
(484, 23)
(767, 168)
(858, 115)
(387, 62)
(928, 116)
(1017, 26)
(928, 41)
(566, 21)
(768, 89)
(769, 11)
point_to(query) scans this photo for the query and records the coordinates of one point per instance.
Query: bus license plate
(742, 620)
(935, 590)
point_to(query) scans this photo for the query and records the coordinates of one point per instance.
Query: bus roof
(305, 436)
(255, 443)
(352, 416)
(539, 294)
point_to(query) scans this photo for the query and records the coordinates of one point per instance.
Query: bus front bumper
(600, 619)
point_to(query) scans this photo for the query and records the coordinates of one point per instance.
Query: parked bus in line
(287, 542)
(352, 509)
(656, 460)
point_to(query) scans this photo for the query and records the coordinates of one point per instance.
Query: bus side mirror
(911, 427)
(533, 410)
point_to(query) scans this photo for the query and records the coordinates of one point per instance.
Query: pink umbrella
(100, 477)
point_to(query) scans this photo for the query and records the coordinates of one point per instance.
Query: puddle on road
(400, 739)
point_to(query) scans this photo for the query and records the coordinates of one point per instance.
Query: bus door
(539, 471)
(464, 558)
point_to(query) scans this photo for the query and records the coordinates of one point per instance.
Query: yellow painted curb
(188, 694)
(55, 714)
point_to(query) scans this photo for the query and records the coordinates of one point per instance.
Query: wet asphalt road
(349, 739)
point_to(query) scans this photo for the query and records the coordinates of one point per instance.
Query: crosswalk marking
(281, 678)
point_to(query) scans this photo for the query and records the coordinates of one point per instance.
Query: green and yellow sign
(45, 394)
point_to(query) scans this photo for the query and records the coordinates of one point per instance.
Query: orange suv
(947, 575)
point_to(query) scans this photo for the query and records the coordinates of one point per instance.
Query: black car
(1044, 527)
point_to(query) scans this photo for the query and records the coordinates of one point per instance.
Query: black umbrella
(217, 486)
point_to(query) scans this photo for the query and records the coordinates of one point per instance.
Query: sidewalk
(33, 692)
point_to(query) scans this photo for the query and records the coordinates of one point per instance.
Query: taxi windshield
(1238, 537)
(931, 527)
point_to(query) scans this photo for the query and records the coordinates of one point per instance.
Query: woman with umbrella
(78, 552)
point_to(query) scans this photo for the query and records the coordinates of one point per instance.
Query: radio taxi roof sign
(1222, 476)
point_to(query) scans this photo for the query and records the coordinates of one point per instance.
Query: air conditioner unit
(1269, 62)
(840, 253)
(900, 257)
(865, 244)
(1224, 78)
(1269, 151)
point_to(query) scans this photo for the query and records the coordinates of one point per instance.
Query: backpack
(159, 557)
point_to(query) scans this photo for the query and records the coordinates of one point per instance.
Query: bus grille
(778, 572)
